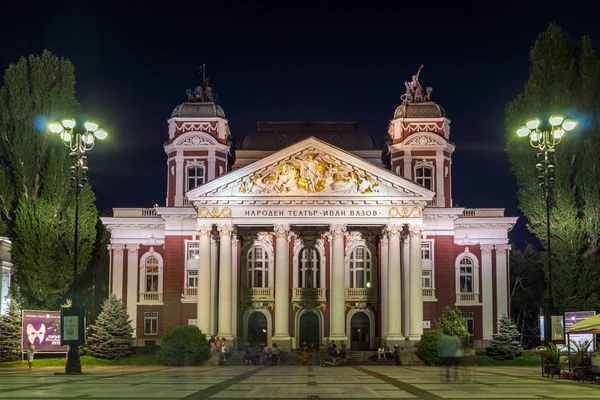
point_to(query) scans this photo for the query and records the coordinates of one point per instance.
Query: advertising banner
(574, 317)
(42, 328)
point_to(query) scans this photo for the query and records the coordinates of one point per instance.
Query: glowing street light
(79, 143)
(545, 142)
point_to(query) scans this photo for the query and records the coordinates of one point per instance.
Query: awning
(590, 325)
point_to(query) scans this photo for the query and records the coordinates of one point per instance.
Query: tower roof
(201, 103)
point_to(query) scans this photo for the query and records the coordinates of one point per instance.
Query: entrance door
(309, 329)
(359, 332)
(257, 328)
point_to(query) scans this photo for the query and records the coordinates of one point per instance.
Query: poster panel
(574, 317)
(42, 328)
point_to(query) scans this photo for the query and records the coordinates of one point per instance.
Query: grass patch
(135, 360)
(527, 361)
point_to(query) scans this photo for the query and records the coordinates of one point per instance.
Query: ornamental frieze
(215, 212)
(405, 212)
(310, 173)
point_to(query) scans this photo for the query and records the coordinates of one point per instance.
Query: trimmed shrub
(427, 348)
(481, 351)
(183, 345)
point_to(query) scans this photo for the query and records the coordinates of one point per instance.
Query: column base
(414, 337)
(391, 340)
(228, 337)
(284, 342)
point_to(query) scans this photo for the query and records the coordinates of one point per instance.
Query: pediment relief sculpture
(310, 173)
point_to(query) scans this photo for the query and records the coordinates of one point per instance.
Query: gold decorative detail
(310, 173)
(204, 212)
(309, 305)
(296, 307)
(322, 306)
(361, 305)
(270, 306)
(404, 212)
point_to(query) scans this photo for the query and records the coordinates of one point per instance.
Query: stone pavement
(289, 382)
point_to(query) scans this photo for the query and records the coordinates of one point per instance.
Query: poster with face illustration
(42, 328)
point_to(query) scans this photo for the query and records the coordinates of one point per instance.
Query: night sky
(288, 60)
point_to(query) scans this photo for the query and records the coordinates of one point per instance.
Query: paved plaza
(289, 382)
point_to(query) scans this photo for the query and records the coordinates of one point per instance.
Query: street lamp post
(545, 141)
(79, 143)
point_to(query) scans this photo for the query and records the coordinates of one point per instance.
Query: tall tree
(36, 197)
(526, 290)
(564, 79)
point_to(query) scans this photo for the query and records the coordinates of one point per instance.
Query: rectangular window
(470, 319)
(424, 177)
(151, 323)
(192, 278)
(426, 250)
(426, 279)
(193, 250)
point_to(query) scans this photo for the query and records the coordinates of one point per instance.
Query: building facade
(307, 232)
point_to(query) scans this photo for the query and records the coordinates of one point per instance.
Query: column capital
(337, 230)
(204, 229)
(117, 249)
(503, 247)
(415, 229)
(393, 229)
(486, 249)
(281, 230)
(132, 248)
(225, 229)
(384, 239)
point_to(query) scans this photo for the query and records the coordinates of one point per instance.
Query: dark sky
(287, 60)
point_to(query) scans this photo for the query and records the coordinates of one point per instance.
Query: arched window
(152, 275)
(309, 275)
(195, 176)
(258, 267)
(466, 275)
(424, 176)
(360, 268)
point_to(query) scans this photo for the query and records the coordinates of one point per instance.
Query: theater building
(306, 231)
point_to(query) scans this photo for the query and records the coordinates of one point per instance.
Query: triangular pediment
(311, 168)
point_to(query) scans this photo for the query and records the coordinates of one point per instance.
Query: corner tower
(200, 145)
(418, 142)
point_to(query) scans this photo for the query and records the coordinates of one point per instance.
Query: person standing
(30, 351)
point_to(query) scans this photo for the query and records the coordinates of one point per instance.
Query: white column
(203, 306)
(117, 275)
(501, 280)
(132, 283)
(487, 318)
(337, 329)
(234, 284)
(383, 258)
(224, 328)
(214, 283)
(404, 245)
(179, 180)
(211, 161)
(439, 180)
(416, 284)
(282, 286)
(394, 284)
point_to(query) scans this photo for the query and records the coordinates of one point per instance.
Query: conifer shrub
(183, 345)
(427, 348)
(505, 344)
(10, 333)
(111, 337)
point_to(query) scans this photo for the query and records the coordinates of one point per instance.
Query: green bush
(145, 349)
(481, 351)
(183, 345)
(427, 348)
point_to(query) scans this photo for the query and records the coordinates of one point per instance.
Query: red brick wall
(198, 153)
(448, 184)
(445, 280)
(421, 153)
(173, 270)
(171, 183)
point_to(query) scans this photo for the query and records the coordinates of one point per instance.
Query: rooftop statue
(202, 94)
(415, 93)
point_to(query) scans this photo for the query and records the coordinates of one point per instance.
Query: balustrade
(428, 294)
(258, 293)
(299, 294)
(359, 294)
(467, 298)
(151, 297)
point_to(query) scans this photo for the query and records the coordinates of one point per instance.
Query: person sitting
(304, 354)
(381, 353)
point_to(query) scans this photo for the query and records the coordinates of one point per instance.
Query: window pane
(360, 282)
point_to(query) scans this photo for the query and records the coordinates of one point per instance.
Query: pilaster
(338, 302)
(117, 276)
(132, 283)
(502, 280)
(487, 291)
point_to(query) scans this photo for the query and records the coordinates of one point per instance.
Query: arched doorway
(309, 329)
(257, 328)
(359, 332)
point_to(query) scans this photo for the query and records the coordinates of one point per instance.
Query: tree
(36, 197)
(111, 337)
(452, 323)
(505, 344)
(564, 79)
(10, 333)
(526, 290)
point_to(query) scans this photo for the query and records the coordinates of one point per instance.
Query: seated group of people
(384, 353)
(263, 355)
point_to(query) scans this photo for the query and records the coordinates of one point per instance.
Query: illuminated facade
(308, 233)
